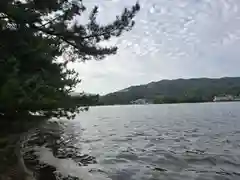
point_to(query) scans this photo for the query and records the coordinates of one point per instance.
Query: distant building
(237, 98)
(224, 98)
(139, 101)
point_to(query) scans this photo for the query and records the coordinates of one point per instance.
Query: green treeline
(176, 91)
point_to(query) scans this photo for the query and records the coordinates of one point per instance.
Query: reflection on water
(185, 141)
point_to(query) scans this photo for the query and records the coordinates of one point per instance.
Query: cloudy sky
(171, 39)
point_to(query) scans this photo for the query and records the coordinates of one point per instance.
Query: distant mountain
(176, 91)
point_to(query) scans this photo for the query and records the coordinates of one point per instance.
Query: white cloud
(171, 39)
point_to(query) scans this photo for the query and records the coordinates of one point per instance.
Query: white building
(223, 98)
(139, 101)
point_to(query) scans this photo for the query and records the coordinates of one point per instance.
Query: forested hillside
(176, 91)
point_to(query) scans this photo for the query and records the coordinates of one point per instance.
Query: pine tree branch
(54, 33)
(42, 25)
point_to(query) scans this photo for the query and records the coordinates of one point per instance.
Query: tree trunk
(12, 166)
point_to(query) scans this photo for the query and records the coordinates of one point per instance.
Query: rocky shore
(42, 149)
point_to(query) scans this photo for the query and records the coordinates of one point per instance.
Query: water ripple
(187, 143)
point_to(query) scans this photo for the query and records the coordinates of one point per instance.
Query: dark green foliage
(33, 35)
(86, 100)
(164, 99)
(176, 91)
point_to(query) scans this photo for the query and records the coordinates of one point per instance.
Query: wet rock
(160, 169)
(62, 147)
(47, 173)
